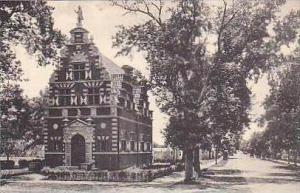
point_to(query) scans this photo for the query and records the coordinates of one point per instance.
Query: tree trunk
(7, 156)
(288, 152)
(295, 157)
(216, 155)
(189, 169)
(197, 161)
(183, 157)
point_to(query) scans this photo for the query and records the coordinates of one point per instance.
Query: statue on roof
(79, 16)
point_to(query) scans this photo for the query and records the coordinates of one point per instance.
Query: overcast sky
(101, 19)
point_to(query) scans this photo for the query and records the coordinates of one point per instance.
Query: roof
(79, 29)
(111, 67)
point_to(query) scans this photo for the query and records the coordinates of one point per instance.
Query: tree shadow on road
(288, 167)
(222, 172)
(221, 179)
(272, 179)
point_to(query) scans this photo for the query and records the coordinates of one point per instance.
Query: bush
(35, 165)
(23, 163)
(7, 164)
(107, 176)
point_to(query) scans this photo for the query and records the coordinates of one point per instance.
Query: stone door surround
(86, 131)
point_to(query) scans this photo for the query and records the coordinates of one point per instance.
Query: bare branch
(225, 24)
(146, 11)
(222, 26)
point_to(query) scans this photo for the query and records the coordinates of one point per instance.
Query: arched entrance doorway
(77, 150)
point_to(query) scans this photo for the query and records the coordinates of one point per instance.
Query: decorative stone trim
(60, 153)
(86, 131)
(121, 152)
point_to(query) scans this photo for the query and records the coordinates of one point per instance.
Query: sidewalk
(14, 172)
(179, 176)
(165, 181)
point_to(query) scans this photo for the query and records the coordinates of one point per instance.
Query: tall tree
(21, 119)
(202, 84)
(28, 24)
(10, 98)
(283, 110)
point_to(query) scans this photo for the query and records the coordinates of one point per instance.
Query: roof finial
(79, 16)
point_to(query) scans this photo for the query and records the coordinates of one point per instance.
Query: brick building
(98, 112)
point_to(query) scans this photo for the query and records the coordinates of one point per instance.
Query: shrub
(23, 163)
(35, 165)
(7, 164)
(123, 175)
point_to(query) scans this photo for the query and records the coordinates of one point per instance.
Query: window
(131, 135)
(79, 71)
(131, 145)
(142, 146)
(64, 100)
(128, 105)
(93, 96)
(123, 145)
(64, 91)
(78, 37)
(103, 145)
(148, 147)
(56, 146)
(64, 97)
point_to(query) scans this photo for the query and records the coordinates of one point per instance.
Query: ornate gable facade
(91, 102)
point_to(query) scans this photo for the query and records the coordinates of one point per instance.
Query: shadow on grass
(288, 167)
(284, 174)
(272, 180)
(234, 180)
(221, 172)
(221, 163)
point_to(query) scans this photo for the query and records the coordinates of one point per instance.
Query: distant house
(166, 154)
(98, 112)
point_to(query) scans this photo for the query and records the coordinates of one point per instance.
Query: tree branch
(225, 24)
(8, 17)
(222, 26)
(124, 5)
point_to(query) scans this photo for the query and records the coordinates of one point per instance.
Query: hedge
(7, 164)
(36, 165)
(23, 163)
(107, 176)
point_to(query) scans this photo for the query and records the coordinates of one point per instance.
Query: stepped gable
(98, 112)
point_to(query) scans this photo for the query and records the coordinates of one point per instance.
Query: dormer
(79, 35)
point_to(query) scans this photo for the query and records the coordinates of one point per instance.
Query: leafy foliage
(30, 24)
(202, 85)
(21, 119)
(283, 110)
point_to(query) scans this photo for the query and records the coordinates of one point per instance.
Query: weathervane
(79, 16)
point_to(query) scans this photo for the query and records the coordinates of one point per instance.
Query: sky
(101, 20)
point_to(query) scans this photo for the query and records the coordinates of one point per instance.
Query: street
(240, 173)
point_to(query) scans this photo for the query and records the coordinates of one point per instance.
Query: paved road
(240, 174)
